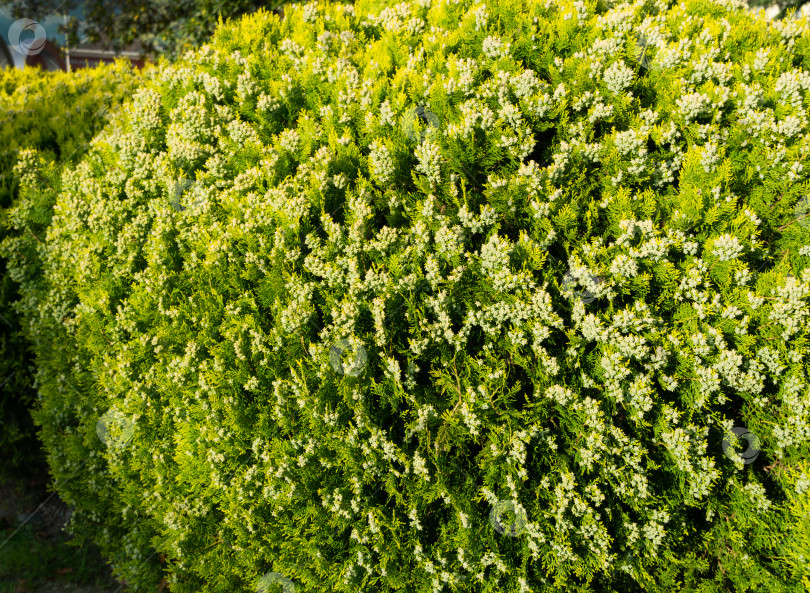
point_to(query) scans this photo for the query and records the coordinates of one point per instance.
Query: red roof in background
(48, 59)
(94, 53)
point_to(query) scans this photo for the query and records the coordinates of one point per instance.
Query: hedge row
(430, 296)
(54, 115)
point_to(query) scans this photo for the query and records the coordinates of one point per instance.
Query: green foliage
(352, 347)
(51, 117)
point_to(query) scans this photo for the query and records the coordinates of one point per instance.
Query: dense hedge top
(566, 289)
(56, 114)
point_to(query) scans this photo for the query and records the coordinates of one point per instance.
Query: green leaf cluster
(500, 347)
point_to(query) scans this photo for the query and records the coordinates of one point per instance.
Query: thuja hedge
(440, 296)
(55, 115)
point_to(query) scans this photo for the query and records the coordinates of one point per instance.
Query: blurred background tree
(167, 27)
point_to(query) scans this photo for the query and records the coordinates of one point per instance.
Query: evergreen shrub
(441, 296)
(53, 114)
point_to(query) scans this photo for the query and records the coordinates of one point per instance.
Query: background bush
(54, 115)
(567, 288)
